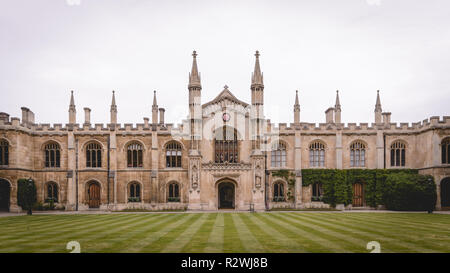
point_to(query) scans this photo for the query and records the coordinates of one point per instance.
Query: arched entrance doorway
(5, 191)
(226, 194)
(445, 193)
(358, 195)
(93, 194)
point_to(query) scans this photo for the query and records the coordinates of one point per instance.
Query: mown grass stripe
(147, 237)
(291, 242)
(183, 239)
(248, 240)
(199, 240)
(138, 232)
(348, 242)
(85, 237)
(172, 235)
(231, 241)
(153, 242)
(215, 240)
(327, 241)
(30, 237)
(388, 239)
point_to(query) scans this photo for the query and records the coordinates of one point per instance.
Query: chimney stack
(386, 118)
(161, 116)
(87, 116)
(329, 115)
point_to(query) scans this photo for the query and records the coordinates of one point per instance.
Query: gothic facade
(222, 156)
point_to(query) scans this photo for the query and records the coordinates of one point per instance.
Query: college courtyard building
(221, 157)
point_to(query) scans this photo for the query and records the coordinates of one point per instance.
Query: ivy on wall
(338, 184)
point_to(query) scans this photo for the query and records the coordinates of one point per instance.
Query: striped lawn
(227, 232)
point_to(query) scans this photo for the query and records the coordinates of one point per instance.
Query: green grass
(227, 232)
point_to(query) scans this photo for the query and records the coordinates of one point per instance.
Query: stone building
(222, 156)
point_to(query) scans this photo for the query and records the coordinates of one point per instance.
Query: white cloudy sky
(48, 47)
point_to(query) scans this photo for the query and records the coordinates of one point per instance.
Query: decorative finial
(225, 87)
(257, 54)
(296, 91)
(337, 91)
(194, 53)
(114, 91)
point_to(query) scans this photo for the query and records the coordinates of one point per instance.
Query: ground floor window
(52, 193)
(174, 193)
(317, 192)
(278, 192)
(134, 192)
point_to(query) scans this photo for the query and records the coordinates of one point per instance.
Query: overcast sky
(401, 47)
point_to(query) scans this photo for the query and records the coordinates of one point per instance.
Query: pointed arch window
(398, 153)
(4, 152)
(226, 145)
(317, 154)
(52, 192)
(93, 155)
(134, 192)
(357, 154)
(278, 192)
(278, 155)
(52, 155)
(445, 147)
(173, 192)
(173, 155)
(134, 155)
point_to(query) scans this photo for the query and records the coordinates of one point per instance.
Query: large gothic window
(398, 150)
(357, 154)
(278, 157)
(226, 145)
(317, 154)
(93, 155)
(52, 155)
(134, 155)
(445, 147)
(173, 155)
(174, 192)
(4, 152)
(278, 192)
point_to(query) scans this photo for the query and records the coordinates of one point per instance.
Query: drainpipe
(76, 174)
(107, 173)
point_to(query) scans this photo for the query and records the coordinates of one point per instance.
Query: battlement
(282, 128)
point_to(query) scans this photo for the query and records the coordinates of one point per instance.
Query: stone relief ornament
(194, 177)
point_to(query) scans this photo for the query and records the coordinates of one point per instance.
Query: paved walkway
(5, 214)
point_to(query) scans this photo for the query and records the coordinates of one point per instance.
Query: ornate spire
(337, 106)
(296, 109)
(154, 99)
(194, 76)
(296, 98)
(113, 102)
(72, 101)
(378, 104)
(257, 76)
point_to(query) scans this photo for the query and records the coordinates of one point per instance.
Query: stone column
(71, 187)
(380, 150)
(298, 168)
(155, 166)
(339, 149)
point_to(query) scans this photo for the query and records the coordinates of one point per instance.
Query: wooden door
(358, 195)
(94, 195)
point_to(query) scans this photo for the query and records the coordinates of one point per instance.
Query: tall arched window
(398, 153)
(317, 192)
(316, 154)
(173, 155)
(52, 192)
(357, 154)
(52, 155)
(278, 157)
(4, 152)
(134, 191)
(134, 155)
(226, 145)
(93, 155)
(278, 192)
(174, 192)
(445, 146)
